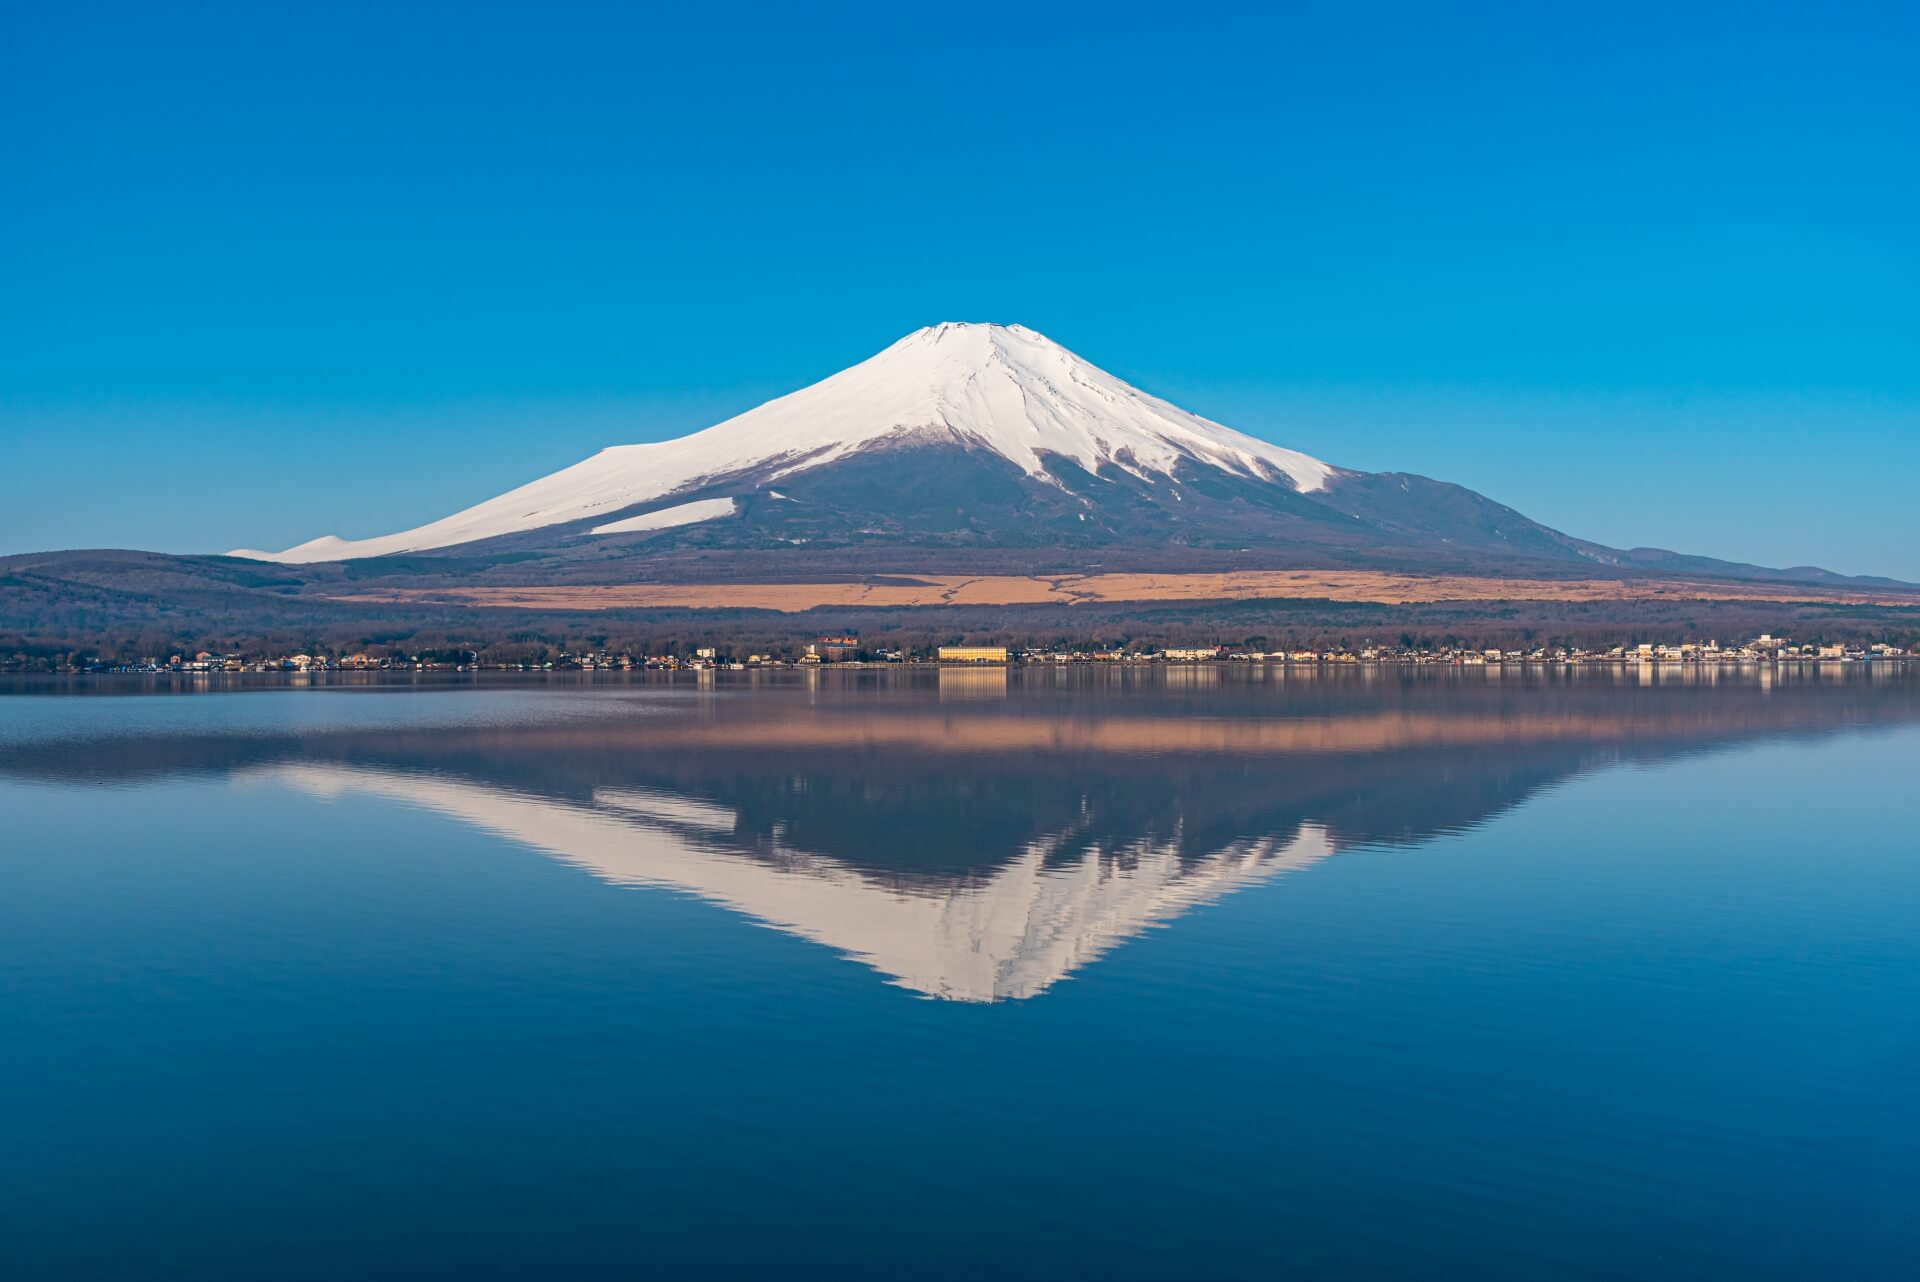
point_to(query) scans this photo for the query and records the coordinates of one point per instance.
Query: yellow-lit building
(973, 654)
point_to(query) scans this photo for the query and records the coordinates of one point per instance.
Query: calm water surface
(1187, 972)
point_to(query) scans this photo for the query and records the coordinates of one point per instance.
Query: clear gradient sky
(1650, 275)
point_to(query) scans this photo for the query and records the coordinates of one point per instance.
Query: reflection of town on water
(979, 833)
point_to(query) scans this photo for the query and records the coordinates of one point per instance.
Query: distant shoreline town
(847, 651)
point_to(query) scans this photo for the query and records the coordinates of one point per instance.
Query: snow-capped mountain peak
(1001, 388)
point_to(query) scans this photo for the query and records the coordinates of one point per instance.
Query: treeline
(514, 637)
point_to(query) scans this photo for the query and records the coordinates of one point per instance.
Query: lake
(1196, 971)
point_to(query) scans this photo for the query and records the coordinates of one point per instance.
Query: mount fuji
(980, 447)
(968, 480)
(1000, 390)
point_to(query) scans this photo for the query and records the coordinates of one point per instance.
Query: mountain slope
(981, 449)
(1004, 390)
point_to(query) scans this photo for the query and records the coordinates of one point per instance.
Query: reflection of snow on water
(1012, 934)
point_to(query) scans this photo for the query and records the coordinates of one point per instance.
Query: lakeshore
(846, 651)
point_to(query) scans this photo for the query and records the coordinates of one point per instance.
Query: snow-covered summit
(1003, 388)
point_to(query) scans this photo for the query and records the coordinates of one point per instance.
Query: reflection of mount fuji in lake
(1009, 933)
(981, 848)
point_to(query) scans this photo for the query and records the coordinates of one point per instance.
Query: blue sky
(1649, 275)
